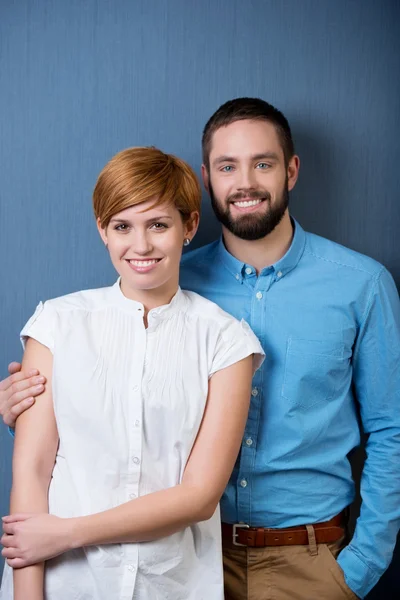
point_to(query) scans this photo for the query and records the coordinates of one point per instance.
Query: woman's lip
(143, 268)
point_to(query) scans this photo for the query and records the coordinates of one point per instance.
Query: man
(329, 321)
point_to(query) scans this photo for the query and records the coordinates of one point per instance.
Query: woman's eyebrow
(157, 218)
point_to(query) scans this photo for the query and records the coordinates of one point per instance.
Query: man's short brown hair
(254, 109)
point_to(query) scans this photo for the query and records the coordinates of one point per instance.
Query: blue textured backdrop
(83, 79)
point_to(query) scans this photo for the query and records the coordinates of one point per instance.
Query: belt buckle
(235, 533)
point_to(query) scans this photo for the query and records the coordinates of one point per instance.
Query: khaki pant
(285, 573)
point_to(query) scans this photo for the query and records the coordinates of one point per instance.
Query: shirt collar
(177, 304)
(283, 266)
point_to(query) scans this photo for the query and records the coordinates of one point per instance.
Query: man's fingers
(14, 367)
(21, 390)
(17, 563)
(9, 552)
(6, 540)
(18, 517)
(21, 380)
(8, 529)
(15, 411)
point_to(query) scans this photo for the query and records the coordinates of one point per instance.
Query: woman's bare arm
(36, 441)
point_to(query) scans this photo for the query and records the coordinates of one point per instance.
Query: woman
(133, 441)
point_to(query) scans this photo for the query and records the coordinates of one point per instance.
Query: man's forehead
(245, 138)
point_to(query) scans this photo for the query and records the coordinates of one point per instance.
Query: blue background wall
(83, 79)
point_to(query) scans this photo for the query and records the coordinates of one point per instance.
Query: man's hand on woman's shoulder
(18, 391)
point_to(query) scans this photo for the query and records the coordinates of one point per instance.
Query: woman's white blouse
(128, 403)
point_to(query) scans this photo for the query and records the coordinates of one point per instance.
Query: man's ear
(293, 171)
(102, 232)
(206, 178)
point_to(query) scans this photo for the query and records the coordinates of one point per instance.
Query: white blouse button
(136, 460)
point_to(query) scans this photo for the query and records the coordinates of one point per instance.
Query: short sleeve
(40, 326)
(235, 342)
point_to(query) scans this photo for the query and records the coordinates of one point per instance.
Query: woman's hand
(32, 538)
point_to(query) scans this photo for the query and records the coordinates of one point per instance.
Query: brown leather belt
(259, 537)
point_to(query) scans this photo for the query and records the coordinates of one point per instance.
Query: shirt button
(254, 392)
(259, 295)
(243, 483)
(237, 276)
(248, 271)
(131, 568)
(137, 423)
(279, 273)
(136, 460)
(249, 442)
(132, 496)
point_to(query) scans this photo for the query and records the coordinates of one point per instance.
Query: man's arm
(35, 448)
(376, 376)
(17, 392)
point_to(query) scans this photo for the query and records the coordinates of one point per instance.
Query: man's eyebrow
(232, 159)
(265, 155)
(224, 158)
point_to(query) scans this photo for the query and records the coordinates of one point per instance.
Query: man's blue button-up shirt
(329, 321)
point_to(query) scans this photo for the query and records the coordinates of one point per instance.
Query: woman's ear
(191, 225)
(102, 232)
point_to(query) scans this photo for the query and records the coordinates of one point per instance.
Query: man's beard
(252, 226)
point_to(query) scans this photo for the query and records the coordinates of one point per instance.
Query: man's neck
(264, 252)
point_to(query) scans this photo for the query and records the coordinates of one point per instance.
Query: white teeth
(246, 203)
(143, 263)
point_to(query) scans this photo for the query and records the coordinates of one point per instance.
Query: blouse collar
(177, 304)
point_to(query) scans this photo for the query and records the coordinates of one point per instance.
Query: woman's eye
(159, 226)
(121, 227)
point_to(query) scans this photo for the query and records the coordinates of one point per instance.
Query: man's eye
(263, 165)
(227, 169)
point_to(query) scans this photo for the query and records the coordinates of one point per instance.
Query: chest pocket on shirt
(314, 369)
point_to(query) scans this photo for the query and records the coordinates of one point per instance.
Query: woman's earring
(186, 242)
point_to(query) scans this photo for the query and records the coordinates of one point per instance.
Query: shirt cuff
(11, 431)
(357, 574)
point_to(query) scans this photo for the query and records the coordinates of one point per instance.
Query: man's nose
(246, 180)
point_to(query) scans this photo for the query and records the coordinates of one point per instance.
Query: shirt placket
(135, 428)
(250, 438)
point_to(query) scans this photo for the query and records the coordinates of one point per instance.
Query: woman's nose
(141, 244)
